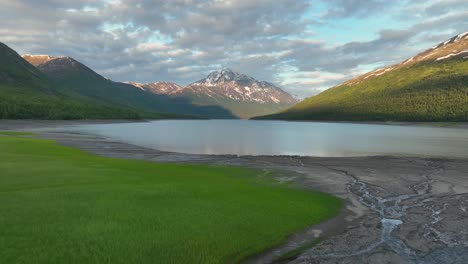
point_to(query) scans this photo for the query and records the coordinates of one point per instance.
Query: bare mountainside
(241, 94)
(168, 88)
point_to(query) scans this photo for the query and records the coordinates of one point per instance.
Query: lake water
(248, 137)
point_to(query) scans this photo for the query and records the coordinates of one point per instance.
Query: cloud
(353, 8)
(274, 40)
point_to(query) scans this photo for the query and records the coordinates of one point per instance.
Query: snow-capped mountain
(238, 87)
(243, 95)
(168, 88)
(453, 48)
(239, 94)
(76, 80)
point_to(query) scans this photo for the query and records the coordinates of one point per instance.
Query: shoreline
(7, 124)
(396, 181)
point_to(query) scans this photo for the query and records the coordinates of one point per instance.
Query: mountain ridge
(431, 86)
(241, 94)
(79, 81)
(437, 53)
(27, 93)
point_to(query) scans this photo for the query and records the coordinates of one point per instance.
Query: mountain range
(242, 95)
(232, 95)
(80, 82)
(431, 86)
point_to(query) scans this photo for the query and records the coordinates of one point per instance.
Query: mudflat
(398, 209)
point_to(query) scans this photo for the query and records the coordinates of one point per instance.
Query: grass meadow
(62, 205)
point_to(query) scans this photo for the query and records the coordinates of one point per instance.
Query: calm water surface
(246, 137)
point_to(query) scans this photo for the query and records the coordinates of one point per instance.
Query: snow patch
(386, 70)
(37, 56)
(408, 60)
(428, 55)
(379, 72)
(451, 55)
(461, 36)
(136, 84)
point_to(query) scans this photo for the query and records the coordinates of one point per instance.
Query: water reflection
(246, 137)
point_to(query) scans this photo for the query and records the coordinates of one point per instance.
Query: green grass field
(62, 205)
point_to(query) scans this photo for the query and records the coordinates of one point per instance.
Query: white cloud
(182, 40)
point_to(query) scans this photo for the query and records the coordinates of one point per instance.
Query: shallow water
(248, 137)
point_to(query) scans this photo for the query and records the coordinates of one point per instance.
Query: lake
(249, 137)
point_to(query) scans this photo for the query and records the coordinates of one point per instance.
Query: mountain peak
(47, 63)
(225, 75)
(37, 60)
(238, 92)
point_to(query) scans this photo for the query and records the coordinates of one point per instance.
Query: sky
(302, 46)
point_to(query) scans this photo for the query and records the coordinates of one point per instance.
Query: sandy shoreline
(398, 209)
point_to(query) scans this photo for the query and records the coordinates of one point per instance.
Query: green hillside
(78, 81)
(77, 92)
(27, 93)
(432, 86)
(16, 72)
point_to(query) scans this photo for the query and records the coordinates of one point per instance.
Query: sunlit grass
(15, 133)
(61, 205)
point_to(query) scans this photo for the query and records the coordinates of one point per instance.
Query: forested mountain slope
(431, 86)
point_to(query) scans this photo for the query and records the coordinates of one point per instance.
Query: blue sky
(303, 46)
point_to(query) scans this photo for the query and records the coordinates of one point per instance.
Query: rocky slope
(240, 87)
(431, 86)
(241, 94)
(168, 88)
